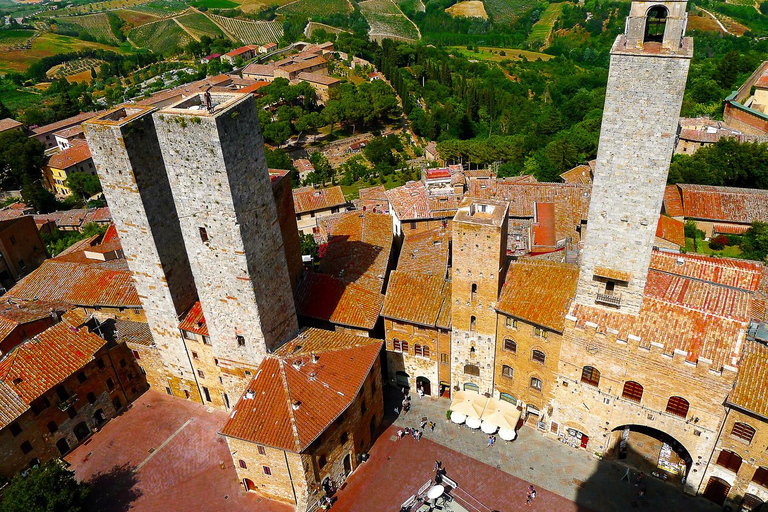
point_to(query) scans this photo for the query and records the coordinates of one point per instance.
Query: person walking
(490, 442)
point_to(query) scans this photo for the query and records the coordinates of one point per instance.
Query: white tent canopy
(501, 414)
(469, 403)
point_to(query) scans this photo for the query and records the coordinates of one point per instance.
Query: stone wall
(207, 371)
(637, 137)
(407, 361)
(286, 215)
(221, 188)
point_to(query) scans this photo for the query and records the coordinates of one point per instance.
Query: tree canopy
(46, 488)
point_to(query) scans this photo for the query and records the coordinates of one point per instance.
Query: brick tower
(126, 152)
(479, 259)
(222, 191)
(646, 82)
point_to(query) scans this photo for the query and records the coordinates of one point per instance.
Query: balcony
(69, 402)
(610, 299)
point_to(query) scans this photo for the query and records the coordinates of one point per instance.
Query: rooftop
(194, 320)
(328, 298)
(752, 380)
(309, 199)
(64, 123)
(77, 153)
(481, 211)
(299, 391)
(671, 230)
(539, 292)
(317, 78)
(195, 104)
(426, 252)
(18, 312)
(9, 124)
(137, 333)
(412, 202)
(724, 204)
(417, 298)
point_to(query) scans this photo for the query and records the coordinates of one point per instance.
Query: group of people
(407, 431)
(531, 495)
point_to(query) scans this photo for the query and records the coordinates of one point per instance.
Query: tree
(46, 488)
(33, 193)
(83, 184)
(309, 246)
(754, 243)
(21, 157)
(5, 111)
(322, 166)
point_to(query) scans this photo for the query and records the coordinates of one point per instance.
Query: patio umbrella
(488, 428)
(457, 418)
(473, 422)
(507, 434)
(501, 414)
(468, 403)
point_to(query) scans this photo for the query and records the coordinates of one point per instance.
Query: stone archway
(649, 449)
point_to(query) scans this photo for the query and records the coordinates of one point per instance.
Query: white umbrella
(501, 414)
(473, 422)
(469, 403)
(488, 428)
(457, 418)
(507, 434)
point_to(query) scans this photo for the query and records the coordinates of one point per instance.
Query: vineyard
(15, 38)
(250, 32)
(135, 18)
(315, 8)
(96, 25)
(160, 37)
(388, 21)
(200, 25)
(506, 11)
(542, 29)
(94, 7)
(72, 67)
(161, 8)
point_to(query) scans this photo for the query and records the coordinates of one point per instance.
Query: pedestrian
(493, 440)
(423, 423)
(418, 435)
(431, 426)
(404, 394)
(420, 391)
(528, 499)
(400, 434)
(532, 492)
(397, 411)
(490, 441)
(438, 465)
(639, 478)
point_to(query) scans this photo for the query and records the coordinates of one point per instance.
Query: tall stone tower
(646, 82)
(222, 191)
(126, 152)
(479, 259)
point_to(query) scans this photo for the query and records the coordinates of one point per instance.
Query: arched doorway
(751, 503)
(249, 485)
(63, 446)
(98, 417)
(649, 449)
(655, 23)
(717, 490)
(347, 465)
(81, 431)
(425, 385)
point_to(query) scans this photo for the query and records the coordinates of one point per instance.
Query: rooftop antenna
(208, 102)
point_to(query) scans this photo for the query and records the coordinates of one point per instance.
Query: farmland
(134, 19)
(315, 8)
(387, 21)
(468, 9)
(215, 4)
(542, 29)
(251, 32)
(44, 46)
(10, 38)
(162, 8)
(160, 37)
(97, 25)
(200, 25)
(495, 54)
(505, 11)
(76, 70)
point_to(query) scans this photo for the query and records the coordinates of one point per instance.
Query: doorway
(249, 485)
(402, 380)
(63, 446)
(717, 490)
(425, 385)
(98, 417)
(347, 464)
(81, 431)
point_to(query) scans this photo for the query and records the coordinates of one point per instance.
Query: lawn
(487, 53)
(702, 247)
(542, 29)
(14, 36)
(44, 46)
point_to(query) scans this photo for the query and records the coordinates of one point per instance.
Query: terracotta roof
(72, 131)
(443, 172)
(194, 320)
(39, 364)
(377, 193)
(242, 50)
(303, 165)
(317, 78)
(544, 233)
(426, 252)
(309, 199)
(292, 400)
(763, 80)
(726, 229)
(742, 274)
(673, 201)
(9, 124)
(749, 390)
(137, 333)
(671, 230)
(11, 405)
(14, 313)
(65, 123)
(609, 273)
(539, 292)
(259, 69)
(725, 204)
(416, 298)
(327, 298)
(581, 174)
(300, 65)
(77, 153)
(413, 202)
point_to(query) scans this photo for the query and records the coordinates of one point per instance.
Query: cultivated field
(312, 26)
(44, 46)
(495, 54)
(95, 7)
(162, 8)
(250, 32)
(14, 38)
(78, 69)
(316, 8)
(468, 9)
(135, 19)
(412, 5)
(542, 29)
(505, 11)
(160, 36)
(96, 25)
(200, 25)
(703, 23)
(387, 21)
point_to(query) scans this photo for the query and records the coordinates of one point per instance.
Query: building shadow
(114, 490)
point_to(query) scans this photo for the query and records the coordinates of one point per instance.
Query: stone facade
(479, 260)
(125, 148)
(640, 120)
(286, 215)
(207, 371)
(221, 189)
(418, 367)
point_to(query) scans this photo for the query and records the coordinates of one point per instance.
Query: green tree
(754, 243)
(5, 111)
(309, 246)
(322, 166)
(47, 488)
(21, 158)
(83, 184)
(33, 193)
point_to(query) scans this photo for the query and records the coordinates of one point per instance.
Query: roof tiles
(309, 199)
(749, 390)
(416, 298)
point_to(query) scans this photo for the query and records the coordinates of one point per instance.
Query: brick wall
(407, 361)
(21, 245)
(744, 121)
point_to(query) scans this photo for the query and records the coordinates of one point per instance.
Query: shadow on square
(114, 490)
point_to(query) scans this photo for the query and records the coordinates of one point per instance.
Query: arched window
(425, 351)
(538, 356)
(743, 431)
(729, 460)
(472, 322)
(471, 369)
(632, 391)
(678, 406)
(510, 345)
(417, 349)
(507, 371)
(761, 476)
(404, 345)
(396, 345)
(590, 375)
(535, 383)
(655, 23)
(474, 291)
(506, 397)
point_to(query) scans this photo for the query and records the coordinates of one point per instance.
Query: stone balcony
(609, 299)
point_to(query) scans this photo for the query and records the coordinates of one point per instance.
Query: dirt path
(185, 29)
(722, 27)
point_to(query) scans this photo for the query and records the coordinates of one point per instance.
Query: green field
(160, 37)
(96, 25)
(161, 8)
(316, 8)
(543, 28)
(486, 53)
(44, 46)
(215, 4)
(15, 99)
(200, 25)
(505, 11)
(386, 19)
(14, 36)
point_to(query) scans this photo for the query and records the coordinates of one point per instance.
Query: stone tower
(221, 187)
(126, 152)
(479, 260)
(646, 82)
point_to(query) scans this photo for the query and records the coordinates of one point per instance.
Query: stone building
(531, 319)
(746, 109)
(20, 320)
(125, 148)
(312, 204)
(320, 403)
(61, 165)
(222, 191)
(21, 249)
(646, 82)
(414, 208)
(479, 243)
(57, 388)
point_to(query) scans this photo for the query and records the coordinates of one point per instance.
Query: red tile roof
(749, 390)
(426, 252)
(36, 366)
(65, 123)
(539, 292)
(412, 202)
(544, 233)
(671, 230)
(433, 174)
(581, 174)
(317, 78)
(673, 201)
(327, 298)
(14, 313)
(242, 50)
(725, 229)
(309, 199)
(11, 405)
(724, 204)
(9, 124)
(742, 274)
(137, 333)
(292, 399)
(73, 155)
(416, 298)
(194, 320)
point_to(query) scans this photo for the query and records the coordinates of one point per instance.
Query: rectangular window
(136, 354)
(15, 429)
(396, 346)
(262, 451)
(207, 394)
(13, 240)
(110, 384)
(123, 363)
(510, 322)
(203, 235)
(444, 359)
(81, 377)
(26, 447)
(188, 335)
(729, 460)
(206, 340)
(761, 477)
(200, 374)
(510, 345)
(266, 469)
(507, 371)
(541, 333)
(194, 355)
(243, 465)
